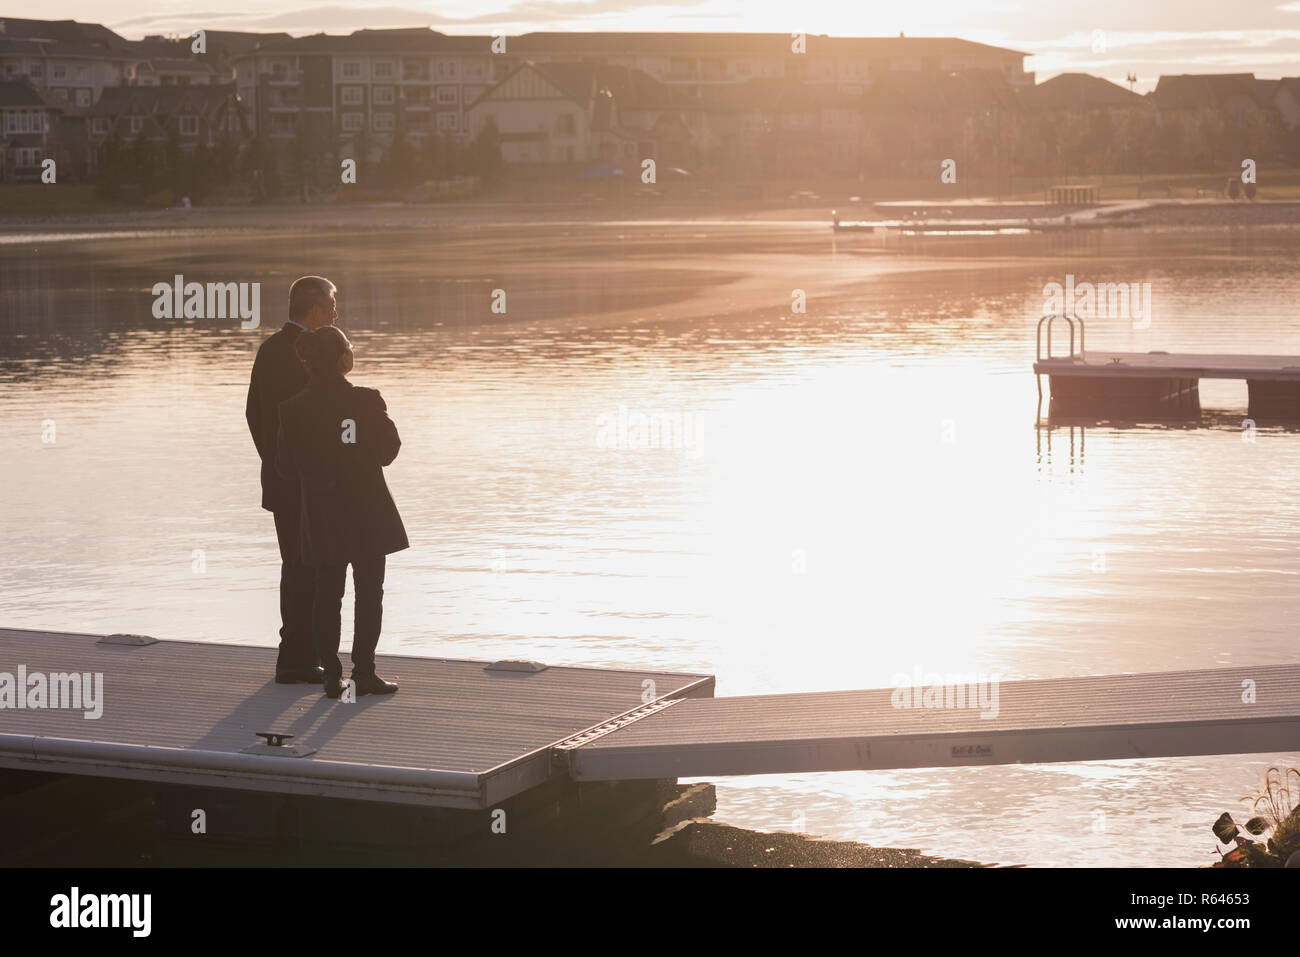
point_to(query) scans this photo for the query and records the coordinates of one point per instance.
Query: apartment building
(371, 84)
(28, 122)
(190, 115)
(72, 61)
(696, 62)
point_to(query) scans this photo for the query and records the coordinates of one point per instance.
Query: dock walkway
(466, 734)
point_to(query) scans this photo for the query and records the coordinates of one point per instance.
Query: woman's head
(325, 352)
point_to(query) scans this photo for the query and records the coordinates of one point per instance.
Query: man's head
(312, 302)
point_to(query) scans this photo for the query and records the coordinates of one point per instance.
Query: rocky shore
(704, 843)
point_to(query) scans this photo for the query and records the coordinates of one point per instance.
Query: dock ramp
(1222, 711)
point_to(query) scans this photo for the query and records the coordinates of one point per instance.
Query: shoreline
(353, 216)
(703, 842)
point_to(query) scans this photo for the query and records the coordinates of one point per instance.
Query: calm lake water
(837, 496)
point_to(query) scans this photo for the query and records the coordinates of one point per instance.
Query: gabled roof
(630, 89)
(1078, 91)
(160, 64)
(378, 42)
(20, 93)
(149, 100)
(1189, 91)
(16, 93)
(222, 42)
(69, 32)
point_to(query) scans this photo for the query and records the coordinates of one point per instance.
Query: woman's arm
(382, 432)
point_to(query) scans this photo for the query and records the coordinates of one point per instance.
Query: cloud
(524, 16)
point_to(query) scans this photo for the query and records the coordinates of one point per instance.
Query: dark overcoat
(335, 439)
(277, 375)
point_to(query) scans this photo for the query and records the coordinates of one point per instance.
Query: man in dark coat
(278, 374)
(335, 439)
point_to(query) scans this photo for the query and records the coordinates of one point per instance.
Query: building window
(283, 124)
(83, 98)
(136, 124)
(384, 70)
(352, 96)
(99, 125)
(351, 69)
(415, 69)
(383, 122)
(36, 71)
(352, 122)
(446, 122)
(383, 95)
(189, 126)
(447, 96)
(60, 71)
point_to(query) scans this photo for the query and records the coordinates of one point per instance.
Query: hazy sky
(1147, 39)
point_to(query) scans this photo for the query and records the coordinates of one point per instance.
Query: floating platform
(459, 734)
(469, 734)
(1159, 384)
(978, 227)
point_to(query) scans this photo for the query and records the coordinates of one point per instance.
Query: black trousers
(368, 588)
(297, 584)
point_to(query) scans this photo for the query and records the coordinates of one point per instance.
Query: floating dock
(469, 734)
(1158, 384)
(458, 734)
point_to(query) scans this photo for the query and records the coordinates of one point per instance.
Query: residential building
(191, 116)
(28, 131)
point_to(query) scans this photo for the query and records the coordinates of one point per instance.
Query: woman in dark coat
(335, 439)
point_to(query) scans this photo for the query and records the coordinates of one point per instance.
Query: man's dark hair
(306, 292)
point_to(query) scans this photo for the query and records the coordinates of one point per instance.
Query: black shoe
(333, 687)
(373, 684)
(300, 676)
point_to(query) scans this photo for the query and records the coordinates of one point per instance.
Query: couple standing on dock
(324, 444)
